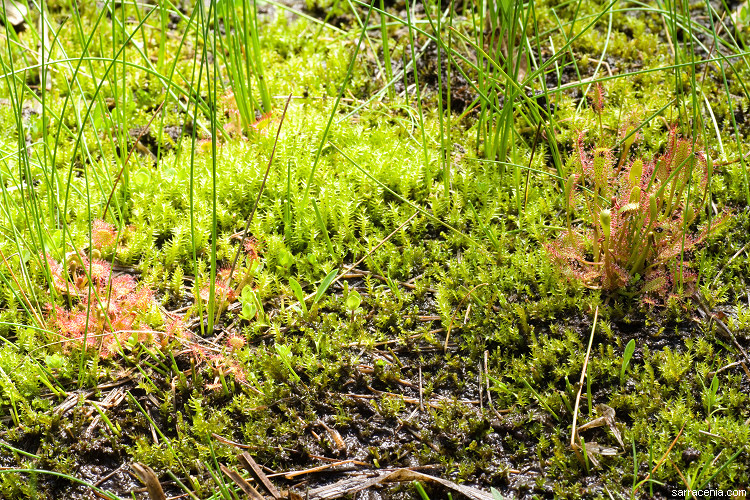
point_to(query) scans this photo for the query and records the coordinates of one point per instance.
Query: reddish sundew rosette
(597, 98)
(106, 311)
(223, 289)
(176, 328)
(103, 235)
(59, 281)
(122, 286)
(252, 251)
(236, 342)
(225, 365)
(100, 273)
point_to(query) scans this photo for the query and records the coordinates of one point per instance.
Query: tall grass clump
(502, 30)
(240, 45)
(79, 96)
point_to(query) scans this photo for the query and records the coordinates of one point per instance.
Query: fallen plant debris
(153, 486)
(592, 448)
(248, 463)
(370, 479)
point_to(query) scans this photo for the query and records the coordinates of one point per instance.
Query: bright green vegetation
(421, 274)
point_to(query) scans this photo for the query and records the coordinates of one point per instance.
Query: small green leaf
(714, 388)
(324, 285)
(285, 259)
(249, 310)
(54, 361)
(297, 289)
(629, 350)
(142, 179)
(353, 300)
(285, 353)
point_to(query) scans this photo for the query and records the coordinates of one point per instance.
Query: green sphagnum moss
(472, 258)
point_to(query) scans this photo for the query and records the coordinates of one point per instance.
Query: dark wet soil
(409, 405)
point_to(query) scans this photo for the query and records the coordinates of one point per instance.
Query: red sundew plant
(636, 217)
(236, 125)
(103, 235)
(223, 366)
(224, 291)
(252, 250)
(104, 311)
(597, 103)
(236, 342)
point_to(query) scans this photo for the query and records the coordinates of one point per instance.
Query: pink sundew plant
(103, 235)
(236, 342)
(636, 217)
(104, 310)
(104, 320)
(224, 291)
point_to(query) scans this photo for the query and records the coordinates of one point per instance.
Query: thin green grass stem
(327, 129)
